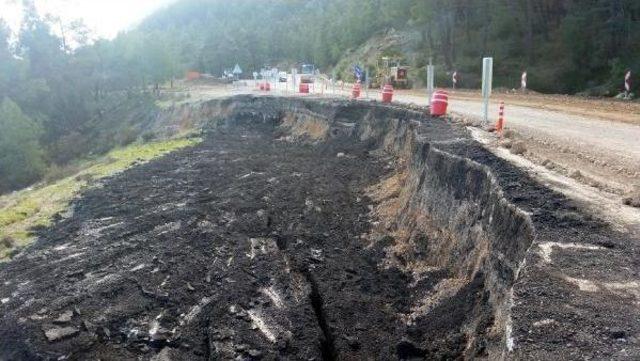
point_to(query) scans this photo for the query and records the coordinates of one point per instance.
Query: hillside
(566, 46)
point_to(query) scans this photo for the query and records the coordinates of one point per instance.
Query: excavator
(390, 71)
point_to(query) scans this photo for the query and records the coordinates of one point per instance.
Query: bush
(127, 136)
(148, 136)
(7, 242)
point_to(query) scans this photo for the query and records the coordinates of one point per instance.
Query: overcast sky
(105, 17)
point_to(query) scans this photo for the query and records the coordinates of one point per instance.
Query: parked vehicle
(307, 73)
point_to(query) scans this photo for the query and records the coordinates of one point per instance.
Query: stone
(316, 255)
(617, 333)
(90, 327)
(509, 134)
(518, 148)
(506, 143)
(65, 317)
(632, 200)
(60, 333)
(353, 342)
(576, 174)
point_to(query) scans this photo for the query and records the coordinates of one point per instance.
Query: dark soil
(177, 257)
(581, 322)
(248, 247)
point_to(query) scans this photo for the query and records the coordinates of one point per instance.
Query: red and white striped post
(523, 81)
(627, 82)
(500, 123)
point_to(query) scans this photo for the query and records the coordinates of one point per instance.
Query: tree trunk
(528, 32)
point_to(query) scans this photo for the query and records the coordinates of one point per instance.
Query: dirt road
(616, 139)
(607, 151)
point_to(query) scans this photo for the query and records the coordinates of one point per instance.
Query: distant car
(282, 77)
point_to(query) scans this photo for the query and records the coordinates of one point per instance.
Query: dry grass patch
(21, 211)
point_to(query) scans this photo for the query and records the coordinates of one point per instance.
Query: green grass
(23, 210)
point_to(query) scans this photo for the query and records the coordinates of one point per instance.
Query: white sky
(104, 17)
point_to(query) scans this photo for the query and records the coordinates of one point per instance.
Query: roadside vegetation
(64, 99)
(28, 208)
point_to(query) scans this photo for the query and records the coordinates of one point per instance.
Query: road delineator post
(500, 122)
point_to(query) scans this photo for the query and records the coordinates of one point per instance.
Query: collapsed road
(322, 230)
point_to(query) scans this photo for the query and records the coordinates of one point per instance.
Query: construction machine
(390, 71)
(307, 73)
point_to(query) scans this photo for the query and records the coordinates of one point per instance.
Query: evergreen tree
(20, 154)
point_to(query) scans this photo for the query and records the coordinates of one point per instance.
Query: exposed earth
(323, 230)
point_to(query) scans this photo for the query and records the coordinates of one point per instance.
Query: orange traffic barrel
(193, 75)
(387, 93)
(439, 103)
(355, 92)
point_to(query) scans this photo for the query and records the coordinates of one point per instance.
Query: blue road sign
(357, 71)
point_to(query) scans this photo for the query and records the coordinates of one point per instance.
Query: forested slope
(63, 102)
(567, 46)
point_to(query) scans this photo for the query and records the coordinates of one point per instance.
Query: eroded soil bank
(306, 230)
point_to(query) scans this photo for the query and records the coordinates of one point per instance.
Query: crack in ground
(328, 347)
(327, 342)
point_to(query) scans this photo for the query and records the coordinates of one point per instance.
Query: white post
(430, 81)
(366, 82)
(487, 80)
(293, 78)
